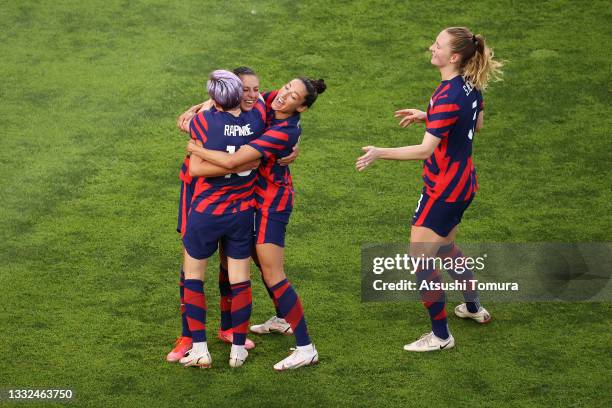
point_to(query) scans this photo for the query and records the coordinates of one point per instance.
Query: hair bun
(319, 85)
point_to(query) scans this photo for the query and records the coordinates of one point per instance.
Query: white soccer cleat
(200, 359)
(238, 356)
(430, 342)
(481, 316)
(300, 357)
(273, 325)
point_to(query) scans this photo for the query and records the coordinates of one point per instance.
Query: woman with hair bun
(274, 199)
(453, 116)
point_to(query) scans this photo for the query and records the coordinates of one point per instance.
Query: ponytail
(477, 64)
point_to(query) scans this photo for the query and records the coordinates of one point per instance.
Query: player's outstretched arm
(232, 161)
(410, 116)
(414, 152)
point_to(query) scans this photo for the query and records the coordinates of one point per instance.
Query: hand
(184, 120)
(193, 146)
(371, 154)
(410, 116)
(287, 160)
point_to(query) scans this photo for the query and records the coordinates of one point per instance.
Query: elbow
(193, 169)
(426, 153)
(231, 164)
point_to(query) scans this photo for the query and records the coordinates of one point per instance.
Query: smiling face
(441, 52)
(291, 97)
(250, 91)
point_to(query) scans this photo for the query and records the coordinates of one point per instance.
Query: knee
(272, 277)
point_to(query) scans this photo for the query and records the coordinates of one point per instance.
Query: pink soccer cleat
(181, 346)
(227, 336)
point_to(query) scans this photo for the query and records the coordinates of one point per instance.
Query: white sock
(200, 347)
(237, 349)
(308, 347)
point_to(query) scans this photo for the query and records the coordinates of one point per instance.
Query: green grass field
(90, 154)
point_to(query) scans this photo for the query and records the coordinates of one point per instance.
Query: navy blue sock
(225, 301)
(291, 307)
(461, 274)
(185, 327)
(434, 301)
(195, 303)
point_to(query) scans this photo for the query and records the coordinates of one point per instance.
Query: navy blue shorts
(235, 231)
(270, 227)
(437, 215)
(184, 205)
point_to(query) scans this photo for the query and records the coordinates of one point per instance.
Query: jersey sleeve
(198, 127)
(272, 142)
(441, 117)
(269, 97)
(260, 107)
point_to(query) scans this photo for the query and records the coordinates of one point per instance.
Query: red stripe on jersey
(277, 134)
(461, 185)
(261, 110)
(204, 122)
(199, 128)
(426, 210)
(447, 107)
(271, 97)
(444, 180)
(469, 192)
(203, 205)
(282, 205)
(184, 210)
(437, 94)
(229, 200)
(261, 236)
(263, 143)
(184, 172)
(436, 124)
(430, 175)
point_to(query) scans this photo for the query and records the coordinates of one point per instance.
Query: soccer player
(274, 195)
(454, 115)
(250, 88)
(221, 210)
(250, 94)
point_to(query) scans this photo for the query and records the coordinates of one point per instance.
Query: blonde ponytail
(477, 63)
